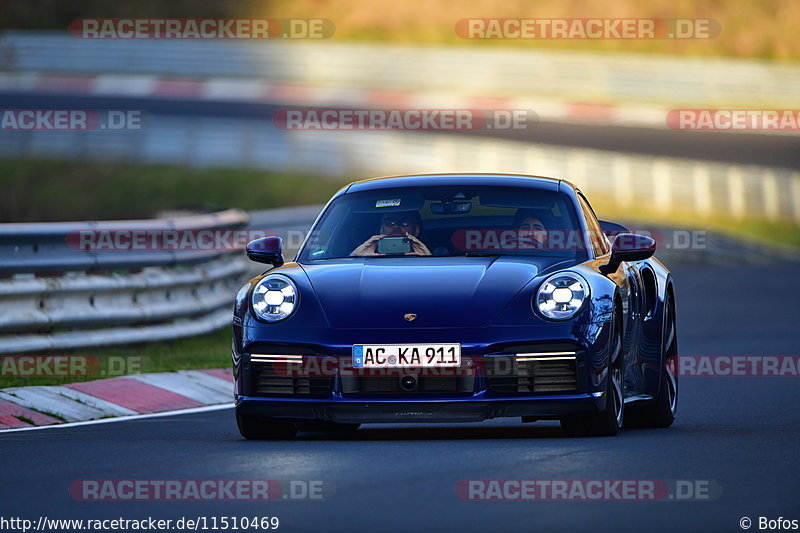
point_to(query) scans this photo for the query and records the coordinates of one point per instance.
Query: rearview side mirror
(612, 229)
(629, 247)
(267, 250)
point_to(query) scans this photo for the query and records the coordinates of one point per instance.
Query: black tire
(661, 412)
(608, 422)
(320, 425)
(254, 427)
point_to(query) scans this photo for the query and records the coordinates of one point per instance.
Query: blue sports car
(456, 298)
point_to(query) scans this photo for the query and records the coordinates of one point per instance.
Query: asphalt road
(739, 433)
(769, 150)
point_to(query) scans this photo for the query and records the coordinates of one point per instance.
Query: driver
(397, 224)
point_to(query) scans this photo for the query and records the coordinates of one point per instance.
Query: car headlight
(561, 295)
(274, 298)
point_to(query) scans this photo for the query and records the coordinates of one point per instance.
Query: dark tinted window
(596, 237)
(448, 221)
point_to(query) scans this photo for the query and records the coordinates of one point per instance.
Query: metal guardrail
(55, 296)
(44, 247)
(452, 70)
(663, 185)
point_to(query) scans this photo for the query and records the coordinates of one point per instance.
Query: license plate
(406, 355)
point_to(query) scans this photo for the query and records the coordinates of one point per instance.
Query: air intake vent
(529, 376)
(273, 379)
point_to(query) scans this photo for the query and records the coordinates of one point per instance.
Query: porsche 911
(456, 298)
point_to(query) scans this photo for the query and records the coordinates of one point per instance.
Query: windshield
(447, 221)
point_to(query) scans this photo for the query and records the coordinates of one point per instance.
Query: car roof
(507, 180)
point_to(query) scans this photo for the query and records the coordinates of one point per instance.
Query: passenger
(531, 230)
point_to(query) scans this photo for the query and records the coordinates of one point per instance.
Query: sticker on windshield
(394, 202)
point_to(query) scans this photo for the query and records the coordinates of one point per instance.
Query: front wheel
(661, 412)
(609, 421)
(255, 427)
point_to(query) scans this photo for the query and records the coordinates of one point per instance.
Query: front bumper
(332, 392)
(326, 388)
(473, 409)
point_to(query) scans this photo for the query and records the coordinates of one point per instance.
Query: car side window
(597, 240)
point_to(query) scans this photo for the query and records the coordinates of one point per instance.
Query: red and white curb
(262, 91)
(139, 394)
(304, 95)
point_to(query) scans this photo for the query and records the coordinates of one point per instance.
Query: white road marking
(178, 412)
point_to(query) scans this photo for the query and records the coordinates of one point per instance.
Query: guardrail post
(769, 187)
(794, 180)
(445, 153)
(532, 160)
(702, 190)
(662, 188)
(487, 156)
(576, 167)
(736, 191)
(621, 181)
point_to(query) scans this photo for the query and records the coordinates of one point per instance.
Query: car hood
(440, 291)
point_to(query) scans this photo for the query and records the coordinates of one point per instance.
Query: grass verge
(780, 233)
(41, 191)
(55, 190)
(206, 351)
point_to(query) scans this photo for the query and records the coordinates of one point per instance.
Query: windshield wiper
(387, 255)
(482, 254)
